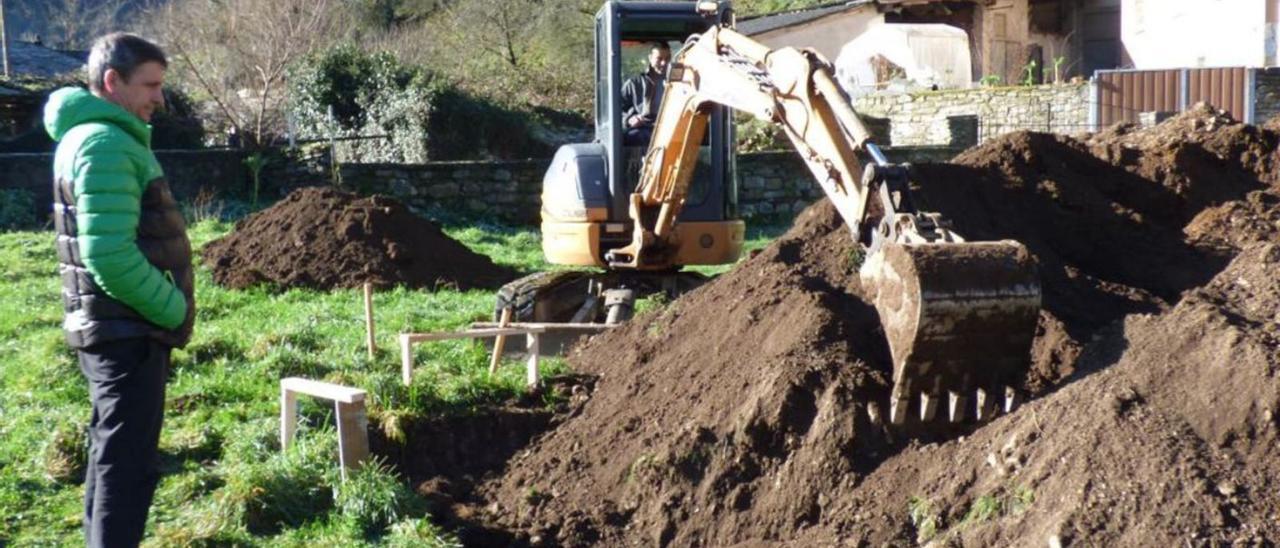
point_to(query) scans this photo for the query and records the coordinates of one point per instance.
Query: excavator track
(959, 318)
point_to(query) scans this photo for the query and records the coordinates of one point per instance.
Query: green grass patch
(225, 480)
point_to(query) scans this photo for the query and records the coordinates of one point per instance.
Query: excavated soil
(737, 414)
(323, 238)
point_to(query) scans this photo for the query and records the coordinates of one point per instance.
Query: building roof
(774, 21)
(27, 59)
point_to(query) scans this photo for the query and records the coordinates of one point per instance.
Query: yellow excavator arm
(788, 87)
(958, 316)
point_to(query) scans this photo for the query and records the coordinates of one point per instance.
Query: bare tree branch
(238, 52)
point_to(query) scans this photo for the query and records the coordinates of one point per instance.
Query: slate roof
(766, 23)
(27, 59)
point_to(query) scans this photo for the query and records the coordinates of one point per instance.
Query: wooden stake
(368, 320)
(406, 358)
(499, 341)
(532, 380)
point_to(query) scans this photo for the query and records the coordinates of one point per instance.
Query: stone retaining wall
(944, 117)
(772, 183)
(189, 172)
(1266, 102)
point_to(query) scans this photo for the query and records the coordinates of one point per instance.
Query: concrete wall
(923, 118)
(1198, 33)
(827, 35)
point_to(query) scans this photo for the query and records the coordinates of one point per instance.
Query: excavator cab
(585, 209)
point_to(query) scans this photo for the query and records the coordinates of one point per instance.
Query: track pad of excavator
(959, 318)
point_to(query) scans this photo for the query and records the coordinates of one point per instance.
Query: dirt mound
(737, 414)
(702, 407)
(1202, 157)
(1238, 223)
(324, 238)
(1167, 438)
(1272, 124)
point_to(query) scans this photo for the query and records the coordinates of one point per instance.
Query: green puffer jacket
(123, 252)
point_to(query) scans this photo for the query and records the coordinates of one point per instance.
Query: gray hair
(122, 52)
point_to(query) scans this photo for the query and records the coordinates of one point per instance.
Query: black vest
(94, 317)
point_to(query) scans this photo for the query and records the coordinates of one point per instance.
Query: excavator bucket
(959, 318)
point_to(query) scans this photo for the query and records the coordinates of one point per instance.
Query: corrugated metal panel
(1223, 88)
(1122, 94)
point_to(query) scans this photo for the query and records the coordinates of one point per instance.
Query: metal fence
(1121, 94)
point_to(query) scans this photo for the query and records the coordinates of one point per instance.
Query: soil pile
(737, 414)
(323, 238)
(1167, 438)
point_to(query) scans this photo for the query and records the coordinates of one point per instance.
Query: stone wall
(778, 184)
(189, 173)
(507, 191)
(1266, 102)
(938, 117)
(772, 183)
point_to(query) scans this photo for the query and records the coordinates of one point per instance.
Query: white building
(1161, 34)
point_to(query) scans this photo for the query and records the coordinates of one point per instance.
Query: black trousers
(126, 386)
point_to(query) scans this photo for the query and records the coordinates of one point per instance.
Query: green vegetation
(1004, 501)
(343, 91)
(17, 207)
(923, 518)
(225, 481)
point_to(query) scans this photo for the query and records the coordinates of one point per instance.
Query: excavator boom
(958, 316)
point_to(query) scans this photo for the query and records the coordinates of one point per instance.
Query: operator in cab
(642, 95)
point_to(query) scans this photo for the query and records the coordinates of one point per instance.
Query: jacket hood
(70, 107)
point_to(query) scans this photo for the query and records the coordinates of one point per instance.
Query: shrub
(17, 209)
(344, 92)
(177, 126)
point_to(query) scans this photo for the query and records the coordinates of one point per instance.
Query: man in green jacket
(125, 264)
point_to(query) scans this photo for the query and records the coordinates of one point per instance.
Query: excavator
(958, 316)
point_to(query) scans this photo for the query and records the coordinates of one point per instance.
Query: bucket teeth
(873, 413)
(984, 406)
(958, 404)
(928, 407)
(956, 316)
(899, 401)
(898, 410)
(1010, 399)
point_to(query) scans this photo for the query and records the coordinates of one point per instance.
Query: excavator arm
(959, 316)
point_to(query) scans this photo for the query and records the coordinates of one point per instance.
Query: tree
(530, 52)
(236, 53)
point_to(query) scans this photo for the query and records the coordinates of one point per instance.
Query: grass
(225, 481)
(1008, 500)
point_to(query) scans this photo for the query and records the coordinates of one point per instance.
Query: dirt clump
(738, 414)
(324, 238)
